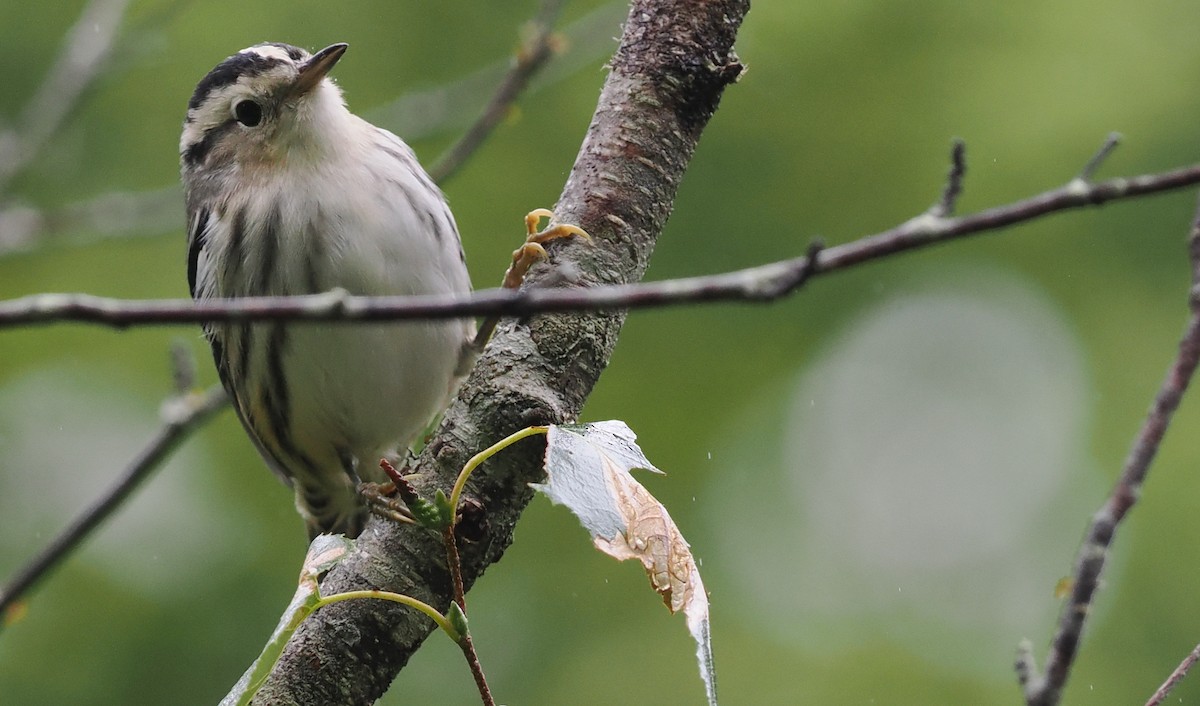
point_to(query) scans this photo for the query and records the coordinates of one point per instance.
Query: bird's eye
(248, 113)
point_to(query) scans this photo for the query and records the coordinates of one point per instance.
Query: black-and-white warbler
(290, 193)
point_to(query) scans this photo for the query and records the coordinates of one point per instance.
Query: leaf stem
(442, 621)
(479, 458)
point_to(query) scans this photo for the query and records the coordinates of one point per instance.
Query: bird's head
(265, 105)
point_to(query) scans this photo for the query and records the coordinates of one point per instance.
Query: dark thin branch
(183, 415)
(1045, 689)
(954, 181)
(454, 562)
(763, 283)
(1160, 694)
(530, 58)
(468, 648)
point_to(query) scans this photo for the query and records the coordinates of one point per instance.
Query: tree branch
(182, 415)
(666, 79)
(1045, 689)
(531, 57)
(945, 206)
(1160, 694)
(85, 52)
(757, 284)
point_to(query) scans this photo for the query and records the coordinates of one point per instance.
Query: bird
(289, 193)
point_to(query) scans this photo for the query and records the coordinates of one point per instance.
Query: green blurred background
(884, 476)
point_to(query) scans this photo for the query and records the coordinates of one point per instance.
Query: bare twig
(763, 283)
(459, 596)
(1177, 676)
(454, 106)
(117, 214)
(531, 57)
(1045, 689)
(468, 647)
(183, 415)
(85, 52)
(954, 181)
(455, 564)
(1110, 143)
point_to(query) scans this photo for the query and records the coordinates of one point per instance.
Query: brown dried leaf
(651, 537)
(588, 470)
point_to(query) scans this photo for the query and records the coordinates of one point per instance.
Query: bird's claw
(377, 498)
(532, 251)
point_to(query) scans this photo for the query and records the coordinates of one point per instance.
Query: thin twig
(84, 54)
(468, 647)
(451, 107)
(954, 181)
(183, 416)
(530, 58)
(1110, 143)
(1176, 676)
(1045, 689)
(763, 283)
(455, 564)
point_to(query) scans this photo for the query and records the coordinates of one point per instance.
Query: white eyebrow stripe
(270, 52)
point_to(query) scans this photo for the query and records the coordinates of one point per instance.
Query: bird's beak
(317, 66)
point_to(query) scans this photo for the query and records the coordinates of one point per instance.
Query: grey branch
(182, 415)
(1110, 143)
(666, 79)
(85, 52)
(757, 284)
(118, 214)
(1045, 688)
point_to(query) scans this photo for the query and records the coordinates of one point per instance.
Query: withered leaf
(588, 470)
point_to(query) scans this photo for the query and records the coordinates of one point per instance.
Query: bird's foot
(532, 250)
(380, 501)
